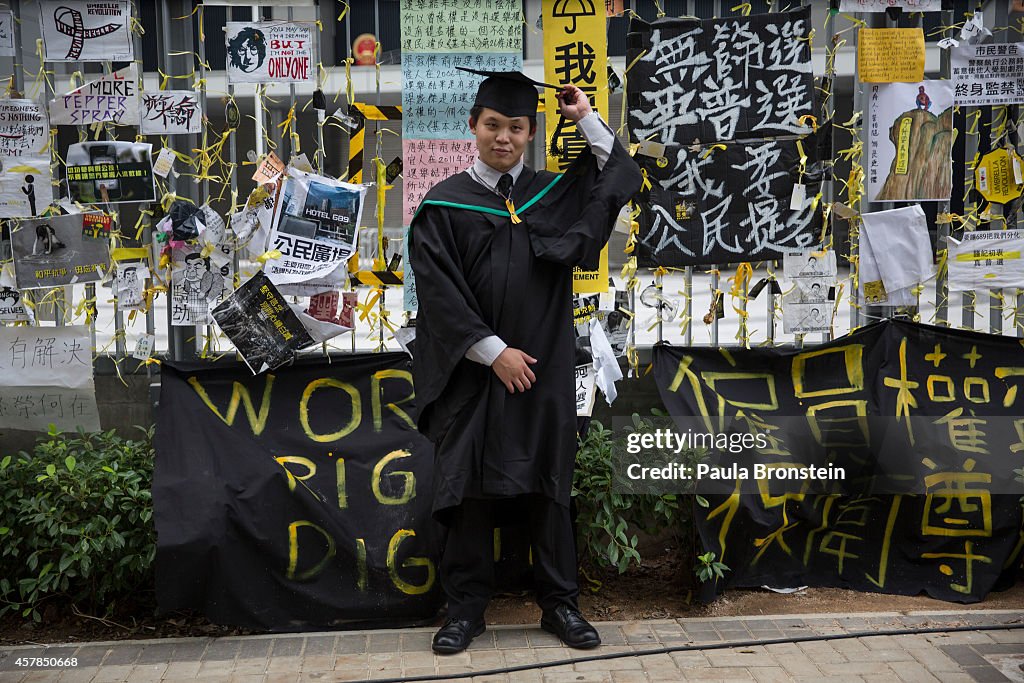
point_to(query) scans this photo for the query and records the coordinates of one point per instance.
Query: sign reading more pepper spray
(576, 51)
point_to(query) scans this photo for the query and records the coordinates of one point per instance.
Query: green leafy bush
(605, 517)
(76, 520)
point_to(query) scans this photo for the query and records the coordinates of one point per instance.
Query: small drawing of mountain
(925, 173)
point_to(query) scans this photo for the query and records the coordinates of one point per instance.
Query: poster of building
(110, 172)
(315, 229)
(113, 98)
(56, 251)
(47, 379)
(910, 141)
(270, 52)
(198, 283)
(261, 325)
(989, 74)
(170, 112)
(86, 30)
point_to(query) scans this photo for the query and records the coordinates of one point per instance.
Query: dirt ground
(658, 590)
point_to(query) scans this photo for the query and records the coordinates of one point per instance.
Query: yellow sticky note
(890, 55)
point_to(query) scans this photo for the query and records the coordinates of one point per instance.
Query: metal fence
(280, 118)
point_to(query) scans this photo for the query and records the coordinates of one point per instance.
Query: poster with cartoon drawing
(198, 283)
(910, 141)
(130, 286)
(25, 186)
(86, 31)
(270, 52)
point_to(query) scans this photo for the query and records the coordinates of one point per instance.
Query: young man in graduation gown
(493, 249)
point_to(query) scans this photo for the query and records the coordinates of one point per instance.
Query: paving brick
(284, 664)
(885, 656)
(317, 663)
(111, 674)
(912, 672)
(11, 676)
(251, 665)
(574, 677)
(78, 674)
(416, 642)
(486, 659)
(618, 664)
(347, 645)
(769, 674)
(353, 674)
(147, 673)
(950, 677)
(319, 645)
(287, 647)
(853, 668)
(245, 678)
(91, 655)
(629, 677)
(1007, 636)
(484, 641)
(181, 670)
(934, 658)
(123, 654)
(221, 651)
(510, 638)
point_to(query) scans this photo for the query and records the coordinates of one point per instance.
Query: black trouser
(467, 565)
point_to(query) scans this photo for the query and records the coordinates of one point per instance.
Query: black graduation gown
(478, 274)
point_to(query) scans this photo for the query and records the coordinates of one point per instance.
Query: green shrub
(76, 520)
(605, 517)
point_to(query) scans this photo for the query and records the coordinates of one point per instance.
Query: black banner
(727, 203)
(296, 499)
(713, 80)
(923, 408)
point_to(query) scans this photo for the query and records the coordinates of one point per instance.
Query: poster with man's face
(270, 52)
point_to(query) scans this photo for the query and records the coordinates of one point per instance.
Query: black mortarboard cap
(508, 92)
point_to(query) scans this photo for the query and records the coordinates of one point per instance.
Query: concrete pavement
(972, 655)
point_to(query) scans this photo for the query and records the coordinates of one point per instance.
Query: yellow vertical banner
(575, 51)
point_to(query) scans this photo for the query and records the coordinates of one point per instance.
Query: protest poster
(586, 389)
(268, 170)
(198, 283)
(110, 172)
(26, 188)
(113, 98)
(428, 162)
(56, 251)
(170, 112)
(47, 379)
(718, 205)
(883, 5)
(812, 275)
(12, 306)
(437, 97)
(7, 48)
(487, 26)
(130, 286)
(315, 228)
(910, 142)
(800, 317)
(997, 175)
(86, 30)
(986, 75)
(895, 255)
(332, 441)
(270, 52)
(890, 55)
(24, 130)
(720, 79)
(261, 325)
(986, 259)
(900, 407)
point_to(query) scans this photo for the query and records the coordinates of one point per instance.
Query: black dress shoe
(569, 625)
(456, 635)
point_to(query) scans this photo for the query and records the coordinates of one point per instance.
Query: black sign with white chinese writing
(727, 205)
(720, 79)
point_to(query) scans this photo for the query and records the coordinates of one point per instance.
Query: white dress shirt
(600, 138)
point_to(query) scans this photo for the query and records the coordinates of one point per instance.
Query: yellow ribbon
(269, 255)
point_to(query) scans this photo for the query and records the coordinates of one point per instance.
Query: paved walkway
(974, 655)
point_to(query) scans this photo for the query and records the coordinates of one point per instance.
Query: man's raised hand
(573, 103)
(512, 367)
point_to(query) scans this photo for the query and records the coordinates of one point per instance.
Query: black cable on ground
(700, 647)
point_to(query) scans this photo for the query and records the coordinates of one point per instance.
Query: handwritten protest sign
(270, 52)
(985, 75)
(428, 162)
(986, 259)
(23, 128)
(47, 379)
(85, 31)
(890, 55)
(170, 112)
(488, 26)
(113, 97)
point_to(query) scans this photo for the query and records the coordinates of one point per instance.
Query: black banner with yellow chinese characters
(925, 423)
(295, 499)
